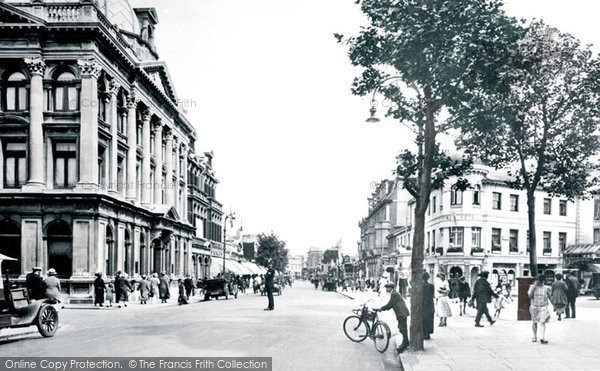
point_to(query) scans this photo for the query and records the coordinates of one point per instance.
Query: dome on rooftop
(121, 13)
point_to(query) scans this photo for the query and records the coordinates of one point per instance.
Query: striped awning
(583, 249)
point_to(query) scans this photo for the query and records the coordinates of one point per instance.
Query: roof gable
(10, 15)
(159, 75)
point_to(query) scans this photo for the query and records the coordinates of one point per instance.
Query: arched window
(60, 248)
(10, 235)
(15, 96)
(456, 196)
(477, 195)
(110, 251)
(66, 94)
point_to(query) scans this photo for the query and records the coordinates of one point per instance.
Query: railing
(455, 249)
(476, 250)
(63, 13)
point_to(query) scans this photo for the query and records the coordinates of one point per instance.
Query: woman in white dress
(443, 303)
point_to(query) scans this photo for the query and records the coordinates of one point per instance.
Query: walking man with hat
(482, 292)
(399, 306)
(35, 284)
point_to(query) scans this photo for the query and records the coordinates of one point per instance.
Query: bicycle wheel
(355, 329)
(381, 336)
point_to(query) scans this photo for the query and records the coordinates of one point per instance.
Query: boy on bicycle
(397, 303)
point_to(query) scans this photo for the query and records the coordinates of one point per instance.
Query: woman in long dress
(558, 295)
(540, 315)
(428, 307)
(443, 303)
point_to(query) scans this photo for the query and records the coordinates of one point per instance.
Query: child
(499, 302)
(110, 294)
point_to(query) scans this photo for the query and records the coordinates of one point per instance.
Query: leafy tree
(430, 46)
(329, 256)
(539, 120)
(272, 249)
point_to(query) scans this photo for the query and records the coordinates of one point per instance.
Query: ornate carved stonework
(131, 101)
(169, 135)
(35, 65)
(89, 68)
(145, 114)
(158, 125)
(114, 87)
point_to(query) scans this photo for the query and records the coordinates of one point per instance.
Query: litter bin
(523, 310)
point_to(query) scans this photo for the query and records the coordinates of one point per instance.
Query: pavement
(573, 343)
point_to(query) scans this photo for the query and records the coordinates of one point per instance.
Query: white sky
(269, 92)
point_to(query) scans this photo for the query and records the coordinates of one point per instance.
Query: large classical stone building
(98, 165)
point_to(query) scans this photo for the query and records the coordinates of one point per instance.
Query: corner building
(98, 165)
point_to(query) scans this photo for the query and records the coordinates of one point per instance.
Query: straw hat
(51, 272)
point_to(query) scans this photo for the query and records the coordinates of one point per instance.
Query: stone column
(158, 170)
(132, 182)
(36, 67)
(146, 157)
(88, 130)
(175, 190)
(183, 214)
(114, 122)
(169, 166)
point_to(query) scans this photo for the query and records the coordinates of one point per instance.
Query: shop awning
(594, 268)
(583, 249)
(253, 268)
(216, 267)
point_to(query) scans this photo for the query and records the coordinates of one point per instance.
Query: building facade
(295, 265)
(387, 208)
(99, 170)
(486, 228)
(314, 260)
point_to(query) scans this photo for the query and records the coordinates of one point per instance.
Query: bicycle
(365, 323)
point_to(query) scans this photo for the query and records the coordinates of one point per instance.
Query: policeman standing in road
(270, 286)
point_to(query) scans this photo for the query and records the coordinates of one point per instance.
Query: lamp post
(231, 217)
(373, 110)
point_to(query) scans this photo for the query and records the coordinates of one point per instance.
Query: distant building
(313, 260)
(295, 264)
(387, 208)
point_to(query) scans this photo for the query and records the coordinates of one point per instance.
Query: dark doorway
(60, 248)
(157, 256)
(10, 245)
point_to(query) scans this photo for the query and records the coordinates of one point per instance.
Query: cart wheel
(47, 321)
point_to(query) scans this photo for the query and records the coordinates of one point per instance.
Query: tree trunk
(422, 201)
(532, 235)
(416, 295)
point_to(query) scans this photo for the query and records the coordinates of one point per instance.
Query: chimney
(148, 20)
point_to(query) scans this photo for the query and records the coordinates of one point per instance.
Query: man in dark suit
(482, 292)
(399, 306)
(35, 284)
(428, 307)
(572, 293)
(270, 286)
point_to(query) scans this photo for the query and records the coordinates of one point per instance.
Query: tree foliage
(437, 49)
(539, 120)
(272, 249)
(330, 255)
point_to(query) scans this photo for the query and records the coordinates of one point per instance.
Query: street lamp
(373, 119)
(231, 217)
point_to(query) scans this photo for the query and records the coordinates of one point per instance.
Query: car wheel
(47, 321)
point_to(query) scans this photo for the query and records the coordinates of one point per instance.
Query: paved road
(303, 333)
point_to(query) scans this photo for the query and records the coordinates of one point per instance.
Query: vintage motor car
(17, 310)
(215, 288)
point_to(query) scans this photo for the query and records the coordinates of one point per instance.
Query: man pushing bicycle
(397, 303)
